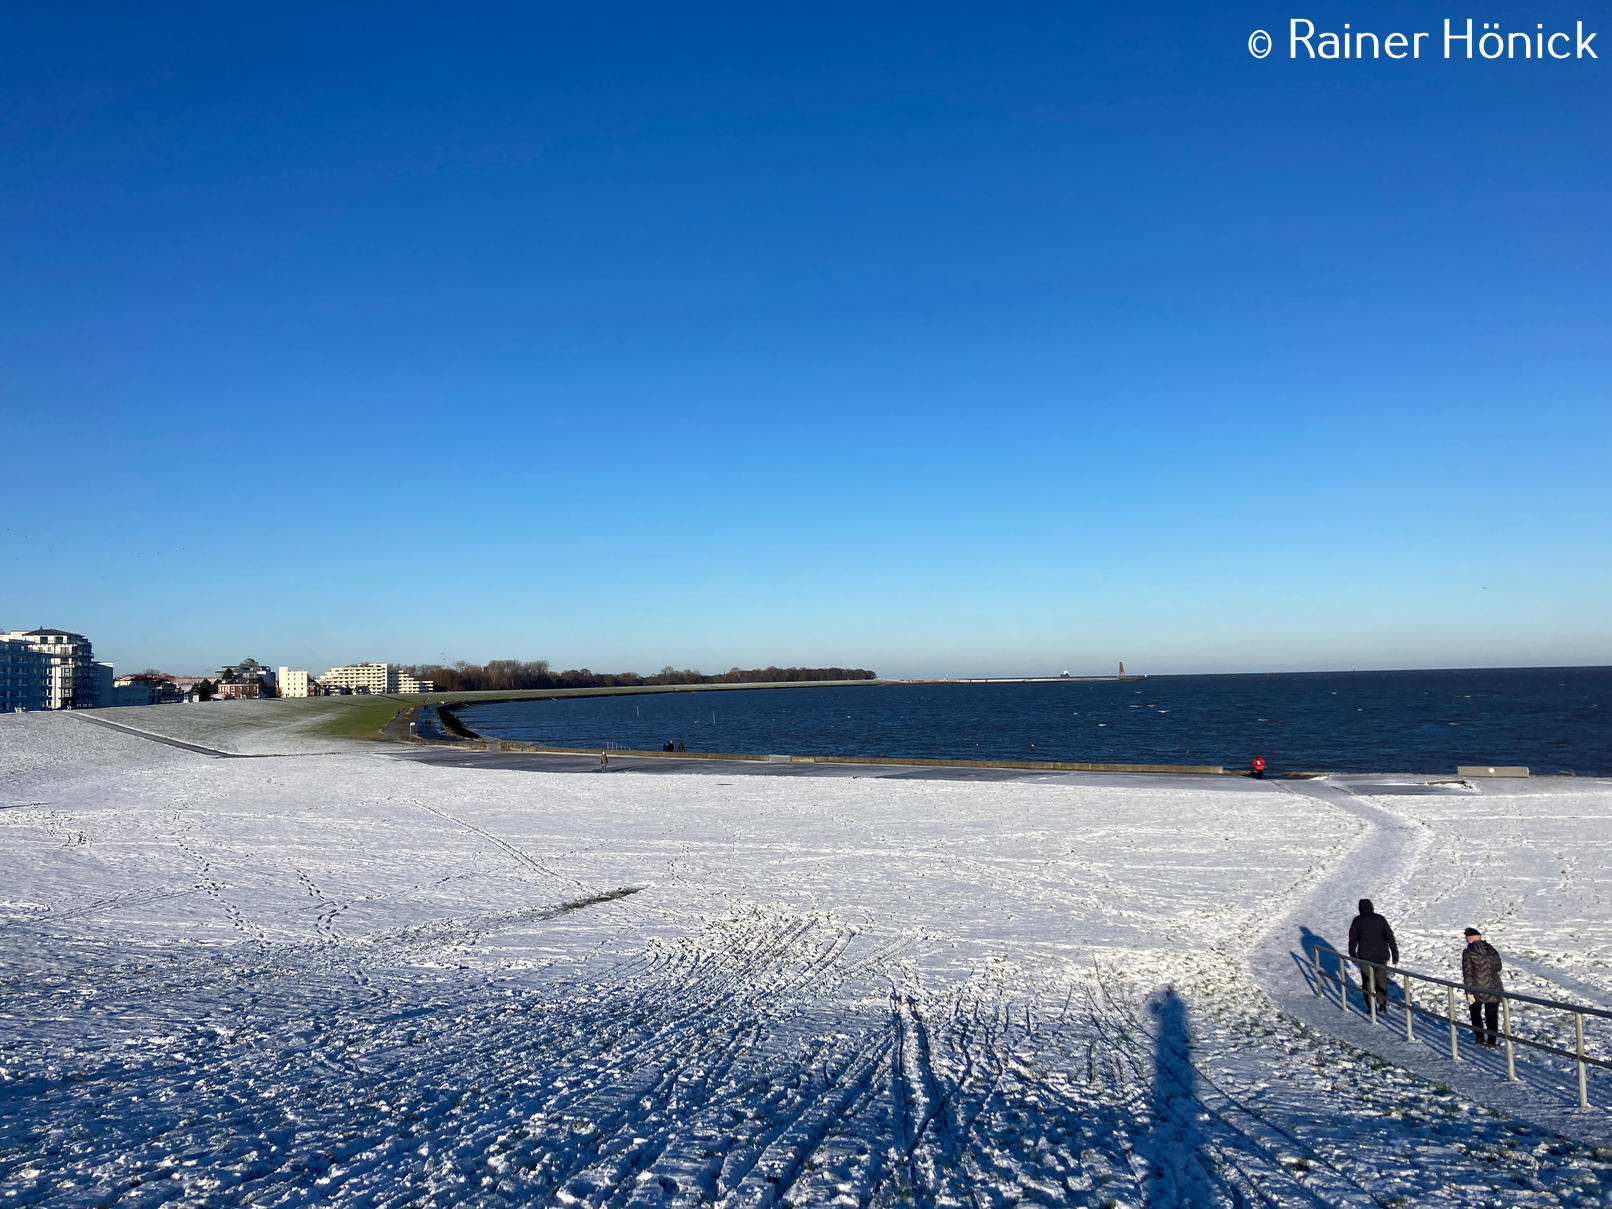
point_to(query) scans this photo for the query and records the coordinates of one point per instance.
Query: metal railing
(1372, 970)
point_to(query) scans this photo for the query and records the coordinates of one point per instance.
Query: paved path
(1384, 857)
(196, 747)
(762, 767)
(145, 734)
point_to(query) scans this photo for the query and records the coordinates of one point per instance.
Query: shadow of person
(1337, 977)
(1333, 971)
(1173, 1149)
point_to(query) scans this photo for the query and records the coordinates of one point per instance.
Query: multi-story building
(372, 678)
(71, 670)
(246, 680)
(145, 688)
(357, 678)
(24, 676)
(293, 683)
(105, 677)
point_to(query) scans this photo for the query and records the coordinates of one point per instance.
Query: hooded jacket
(1370, 937)
(1480, 967)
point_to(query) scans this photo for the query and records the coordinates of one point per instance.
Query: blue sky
(929, 338)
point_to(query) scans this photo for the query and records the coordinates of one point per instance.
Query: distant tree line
(499, 674)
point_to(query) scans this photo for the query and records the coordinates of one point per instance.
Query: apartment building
(372, 678)
(293, 683)
(357, 678)
(73, 678)
(144, 688)
(245, 681)
(24, 676)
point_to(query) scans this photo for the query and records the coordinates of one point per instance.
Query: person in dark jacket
(1371, 939)
(1480, 967)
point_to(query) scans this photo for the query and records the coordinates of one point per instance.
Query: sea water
(1552, 720)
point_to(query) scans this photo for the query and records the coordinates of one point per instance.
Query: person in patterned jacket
(1480, 968)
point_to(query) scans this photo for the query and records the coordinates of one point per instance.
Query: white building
(357, 677)
(71, 671)
(293, 683)
(24, 676)
(372, 678)
(402, 682)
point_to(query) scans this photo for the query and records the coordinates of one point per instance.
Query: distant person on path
(1480, 967)
(1371, 939)
(680, 745)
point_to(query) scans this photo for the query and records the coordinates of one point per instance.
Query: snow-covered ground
(330, 974)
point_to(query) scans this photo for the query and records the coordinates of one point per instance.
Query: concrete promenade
(761, 766)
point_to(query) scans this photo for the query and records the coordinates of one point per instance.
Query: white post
(1578, 1038)
(1455, 1045)
(1316, 953)
(1371, 992)
(1511, 1050)
(1409, 1033)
